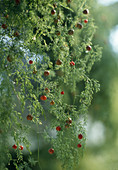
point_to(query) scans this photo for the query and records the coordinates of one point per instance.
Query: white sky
(95, 132)
(113, 38)
(107, 2)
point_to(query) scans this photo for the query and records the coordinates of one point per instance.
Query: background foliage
(42, 45)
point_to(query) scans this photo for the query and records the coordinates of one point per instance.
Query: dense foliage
(46, 53)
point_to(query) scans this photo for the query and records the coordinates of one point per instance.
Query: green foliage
(32, 34)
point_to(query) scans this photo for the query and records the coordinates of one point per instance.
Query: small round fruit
(72, 63)
(80, 136)
(17, 2)
(79, 145)
(68, 1)
(30, 62)
(62, 92)
(47, 90)
(14, 146)
(88, 48)
(58, 33)
(4, 26)
(56, 21)
(58, 128)
(6, 16)
(86, 21)
(71, 32)
(43, 97)
(29, 117)
(46, 73)
(53, 12)
(21, 147)
(52, 102)
(69, 121)
(16, 34)
(51, 151)
(86, 11)
(58, 62)
(9, 58)
(79, 25)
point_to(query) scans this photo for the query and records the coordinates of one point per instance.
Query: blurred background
(102, 128)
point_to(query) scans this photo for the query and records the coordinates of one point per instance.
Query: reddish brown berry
(80, 136)
(6, 16)
(17, 2)
(4, 26)
(16, 34)
(43, 97)
(9, 58)
(62, 92)
(14, 146)
(46, 73)
(47, 90)
(86, 21)
(29, 117)
(53, 12)
(58, 62)
(68, 1)
(72, 63)
(58, 128)
(86, 11)
(30, 62)
(69, 121)
(79, 25)
(51, 151)
(79, 145)
(52, 102)
(88, 48)
(21, 147)
(71, 32)
(58, 33)
(56, 21)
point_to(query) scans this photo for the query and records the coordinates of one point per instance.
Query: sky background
(113, 37)
(107, 2)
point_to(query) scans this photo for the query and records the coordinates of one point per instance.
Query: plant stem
(38, 149)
